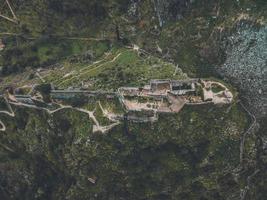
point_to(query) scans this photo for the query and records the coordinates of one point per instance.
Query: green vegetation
(189, 155)
(217, 88)
(103, 121)
(141, 114)
(90, 105)
(112, 105)
(3, 105)
(48, 51)
(122, 67)
(199, 91)
(44, 89)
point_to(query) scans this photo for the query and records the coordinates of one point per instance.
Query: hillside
(202, 152)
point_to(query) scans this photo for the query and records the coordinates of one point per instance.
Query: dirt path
(10, 112)
(40, 77)
(79, 38)
(105, 129)
(244, 192)
(248, 131)
(75, 74)
(113, 60)
(96, 128)
(7, 33)
(86, 72)
(111, 116)
(3, 126)
(14, 18)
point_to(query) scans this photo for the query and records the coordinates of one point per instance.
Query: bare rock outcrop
(246, 65)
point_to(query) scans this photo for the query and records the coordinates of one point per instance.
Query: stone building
(181, 87)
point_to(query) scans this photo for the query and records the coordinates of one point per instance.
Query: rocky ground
(246, 65)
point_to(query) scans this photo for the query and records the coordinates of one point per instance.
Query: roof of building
(173, 81)
(160, 81)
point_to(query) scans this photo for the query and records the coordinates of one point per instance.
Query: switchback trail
(96, 128)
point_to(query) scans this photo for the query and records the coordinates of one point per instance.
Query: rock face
(246, 65)
(169, 10)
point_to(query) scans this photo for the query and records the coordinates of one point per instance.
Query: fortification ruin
(171, 95)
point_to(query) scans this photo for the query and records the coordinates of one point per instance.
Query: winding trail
(96, 127)
(111, 116)
(3, 126)
(86, 72)
(247, 132)
(113, 60)
(9, 33)
(243, 192)
(79, 38)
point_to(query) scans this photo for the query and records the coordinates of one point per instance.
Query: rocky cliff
(246, 65)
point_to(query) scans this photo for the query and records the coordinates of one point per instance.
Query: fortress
(140, 104)
(172, 95)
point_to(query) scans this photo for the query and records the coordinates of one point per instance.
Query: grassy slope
(122, 68)
(182, 156)
(114, 68)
